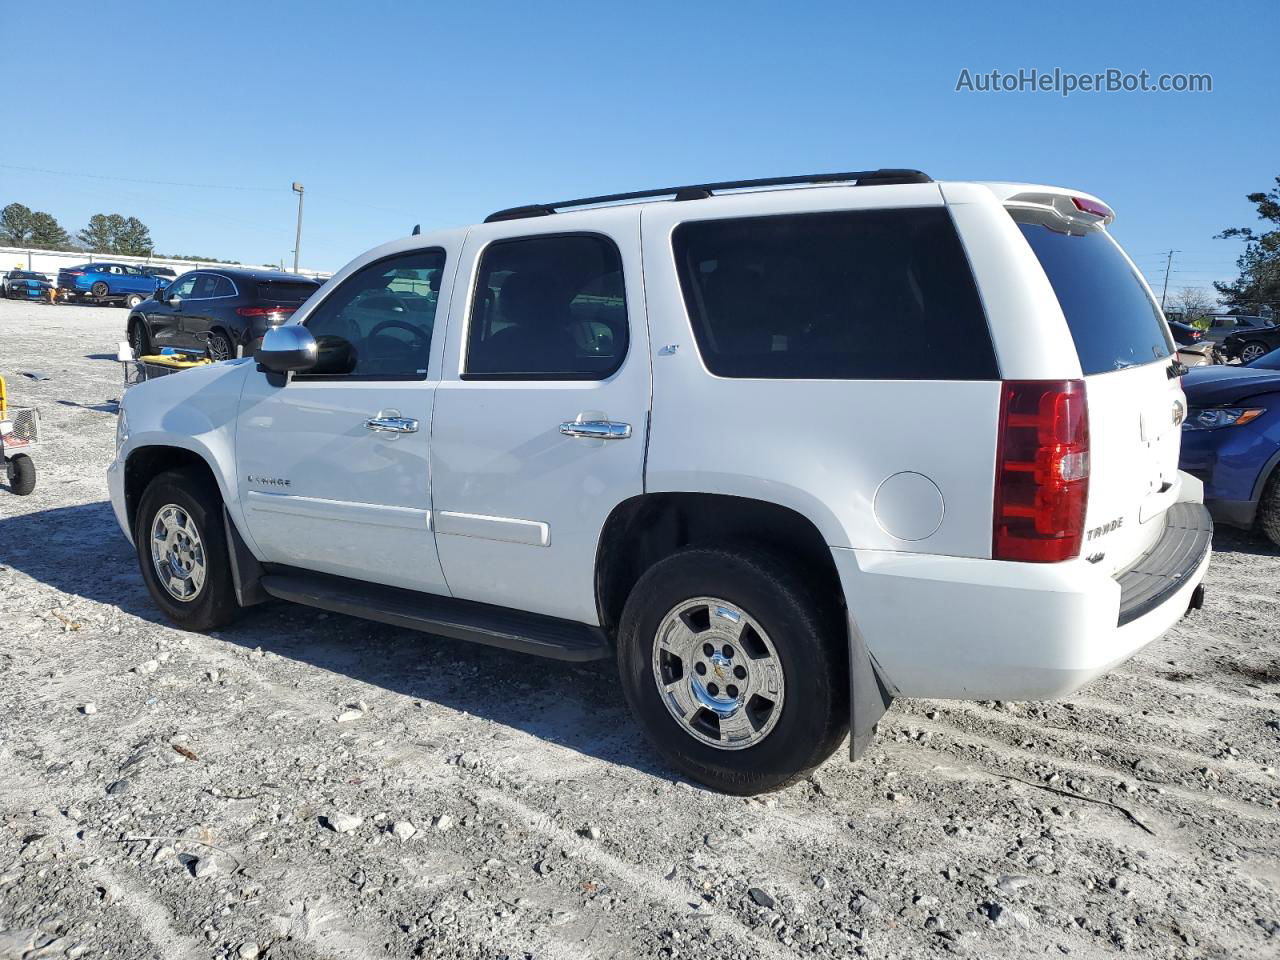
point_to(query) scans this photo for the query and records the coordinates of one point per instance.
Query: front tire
(139, 342)
(182, 550)
(736, 671)
(20, 471)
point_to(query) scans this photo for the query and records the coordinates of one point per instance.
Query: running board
(444, 616)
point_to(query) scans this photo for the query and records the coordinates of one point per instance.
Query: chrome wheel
(177, 553)
(718, 673)
(1251, 352)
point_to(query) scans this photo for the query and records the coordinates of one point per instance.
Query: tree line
(110, 233)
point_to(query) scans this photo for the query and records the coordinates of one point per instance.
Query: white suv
(787, 449)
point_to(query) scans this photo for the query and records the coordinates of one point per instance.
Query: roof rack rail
(700, 191)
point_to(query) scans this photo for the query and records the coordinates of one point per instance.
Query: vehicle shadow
(80, 551)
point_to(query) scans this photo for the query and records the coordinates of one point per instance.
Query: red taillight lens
(262, 311)
(74, 273)
(1042, 471)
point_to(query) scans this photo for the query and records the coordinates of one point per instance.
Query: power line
(159, 183)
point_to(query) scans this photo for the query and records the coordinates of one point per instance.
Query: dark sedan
(217, 311)
(1249, 342)
(26, 285)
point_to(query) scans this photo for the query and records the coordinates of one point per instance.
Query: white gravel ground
(309, 786)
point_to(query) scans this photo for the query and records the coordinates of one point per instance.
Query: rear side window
(1113, 320)
(284, 291)
(548, 308)
(851, 295)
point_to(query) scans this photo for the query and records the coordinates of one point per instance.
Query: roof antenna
(417, 229)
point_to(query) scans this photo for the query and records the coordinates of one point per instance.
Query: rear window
(1113, 320)
(285, 291)
(851, 295)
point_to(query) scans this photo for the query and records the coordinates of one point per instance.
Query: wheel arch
(145, 463)
(644, 529)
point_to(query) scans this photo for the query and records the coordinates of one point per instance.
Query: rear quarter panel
(820, 447)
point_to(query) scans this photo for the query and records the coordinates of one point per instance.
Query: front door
(164, 317)
(334, 466)
(541, 413)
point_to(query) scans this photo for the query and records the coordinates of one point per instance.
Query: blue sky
(397, 113)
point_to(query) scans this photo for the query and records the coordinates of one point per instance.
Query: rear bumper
(956, 627)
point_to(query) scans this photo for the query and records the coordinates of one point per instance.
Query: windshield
(1113, 320)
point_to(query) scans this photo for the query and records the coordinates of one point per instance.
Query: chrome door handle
(596, 429)
(392, 424)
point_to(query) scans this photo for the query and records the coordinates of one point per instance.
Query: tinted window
(877, 294)
(222, 287)
(1113, 320)
(183, 286)
(206, 287)
(285, 291)
(548, 308)
(378, 323)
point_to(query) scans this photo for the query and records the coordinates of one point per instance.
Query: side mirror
(287, 349)
(158, 294)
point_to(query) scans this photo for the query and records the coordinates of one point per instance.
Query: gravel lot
(305, 785)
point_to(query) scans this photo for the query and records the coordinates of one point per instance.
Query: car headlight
(1215, 418)
(122, 430)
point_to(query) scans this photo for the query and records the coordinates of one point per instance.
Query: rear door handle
(596, 429)
(392, 424)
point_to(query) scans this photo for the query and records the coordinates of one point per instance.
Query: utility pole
(297, 241)
(1168, 264)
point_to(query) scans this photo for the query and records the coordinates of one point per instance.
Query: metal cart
(19, 436)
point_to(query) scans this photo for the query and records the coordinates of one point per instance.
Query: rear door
(541, 416)
(1136, 404)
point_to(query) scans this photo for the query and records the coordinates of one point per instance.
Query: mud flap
(868, 698)
(246, 571)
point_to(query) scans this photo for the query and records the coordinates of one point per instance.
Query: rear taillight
(1042, 471)
(262, 311)
(1094, 208)
(74, 273)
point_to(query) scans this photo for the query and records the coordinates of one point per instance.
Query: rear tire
(20, 471)
(99, 290)
(185, 508)
(754, 609)
(1252, 351)
(220, 346)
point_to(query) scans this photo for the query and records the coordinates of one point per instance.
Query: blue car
(108, 283)
(1231, 441)
(26, 285)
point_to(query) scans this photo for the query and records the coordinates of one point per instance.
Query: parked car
(163, 273)
(216, 310)
(1231, 441)
(26, 285)
(671, 433)
(1248, 343)
(1225, 326)
(107, 283)
(1194, 350)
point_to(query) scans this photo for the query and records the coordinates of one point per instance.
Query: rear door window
(548, 308)
(1113, 320)
(850, 295)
